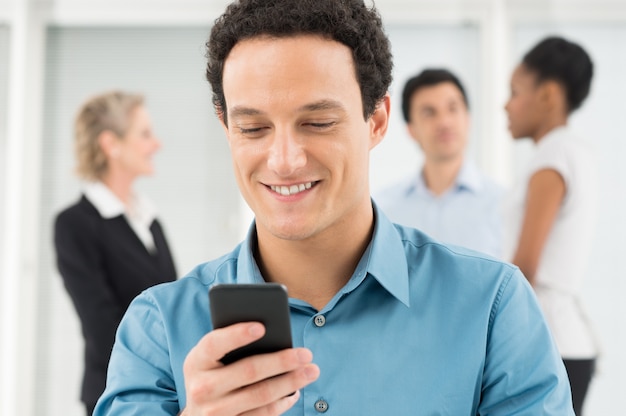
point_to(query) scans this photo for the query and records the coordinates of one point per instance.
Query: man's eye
(250, 130)
(322, 125)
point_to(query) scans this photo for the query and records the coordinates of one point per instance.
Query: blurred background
(56, 53)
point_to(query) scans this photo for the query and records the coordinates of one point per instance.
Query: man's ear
(379, 121)
(109, 143)
(221, 116)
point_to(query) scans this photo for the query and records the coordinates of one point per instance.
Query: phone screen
(265, 302)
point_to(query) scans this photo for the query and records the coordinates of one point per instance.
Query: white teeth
(291, 190)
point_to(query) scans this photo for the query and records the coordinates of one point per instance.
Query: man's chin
(293, 230)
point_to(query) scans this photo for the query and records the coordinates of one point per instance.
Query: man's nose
(286, 153)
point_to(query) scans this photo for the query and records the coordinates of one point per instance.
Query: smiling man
(384, 319)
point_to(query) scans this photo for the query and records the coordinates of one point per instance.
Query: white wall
(61, 51)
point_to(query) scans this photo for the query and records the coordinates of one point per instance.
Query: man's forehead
(251, 54)
(279, 62)
(306, 72)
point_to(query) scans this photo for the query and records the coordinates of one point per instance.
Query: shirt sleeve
(523, 374)
(140, 379)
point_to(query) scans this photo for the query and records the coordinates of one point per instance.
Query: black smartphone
(265, 302)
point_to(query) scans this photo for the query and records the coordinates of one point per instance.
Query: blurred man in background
(448, 197)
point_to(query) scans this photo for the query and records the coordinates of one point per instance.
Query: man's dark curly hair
(349, 22)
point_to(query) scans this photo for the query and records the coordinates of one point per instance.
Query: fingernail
(311, 372)
(256, 330)
(304, 356)
(293, 397)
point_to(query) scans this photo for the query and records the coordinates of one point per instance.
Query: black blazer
(104, 265)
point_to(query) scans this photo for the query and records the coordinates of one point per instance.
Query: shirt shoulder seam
(496, 303)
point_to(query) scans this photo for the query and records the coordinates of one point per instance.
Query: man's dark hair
(557, 59)
(349, 22)
(428, 78)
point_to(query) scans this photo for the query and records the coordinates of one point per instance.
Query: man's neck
(440, 176)
(315, 269)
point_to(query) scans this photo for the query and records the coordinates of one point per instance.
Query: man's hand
(256, 385)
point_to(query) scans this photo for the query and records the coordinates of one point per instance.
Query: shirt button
(321, 406)
(319, 320)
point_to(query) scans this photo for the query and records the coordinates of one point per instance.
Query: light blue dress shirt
(419, 329)
(468, 214)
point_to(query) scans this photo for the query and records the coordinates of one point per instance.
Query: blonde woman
(109, 245)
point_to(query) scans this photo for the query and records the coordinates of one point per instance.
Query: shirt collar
(469, 178)
(110, 206)
(384, 259)
(247, 269)
(387, 259)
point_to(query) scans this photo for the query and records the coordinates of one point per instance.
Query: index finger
(217, 343)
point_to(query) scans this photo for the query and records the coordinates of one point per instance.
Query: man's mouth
(292, 189)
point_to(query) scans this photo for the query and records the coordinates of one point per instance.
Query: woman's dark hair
(349, 22)
(565, 62)
(428, 78)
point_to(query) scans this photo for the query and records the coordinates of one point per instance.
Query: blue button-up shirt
(419, 329)
(468, 214)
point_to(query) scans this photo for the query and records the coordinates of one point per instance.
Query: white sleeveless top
(563, 263)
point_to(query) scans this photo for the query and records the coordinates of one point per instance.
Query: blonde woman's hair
(109, 111)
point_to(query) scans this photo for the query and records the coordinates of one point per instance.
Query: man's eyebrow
(242, 111)
(239, 111)
(322, 105)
